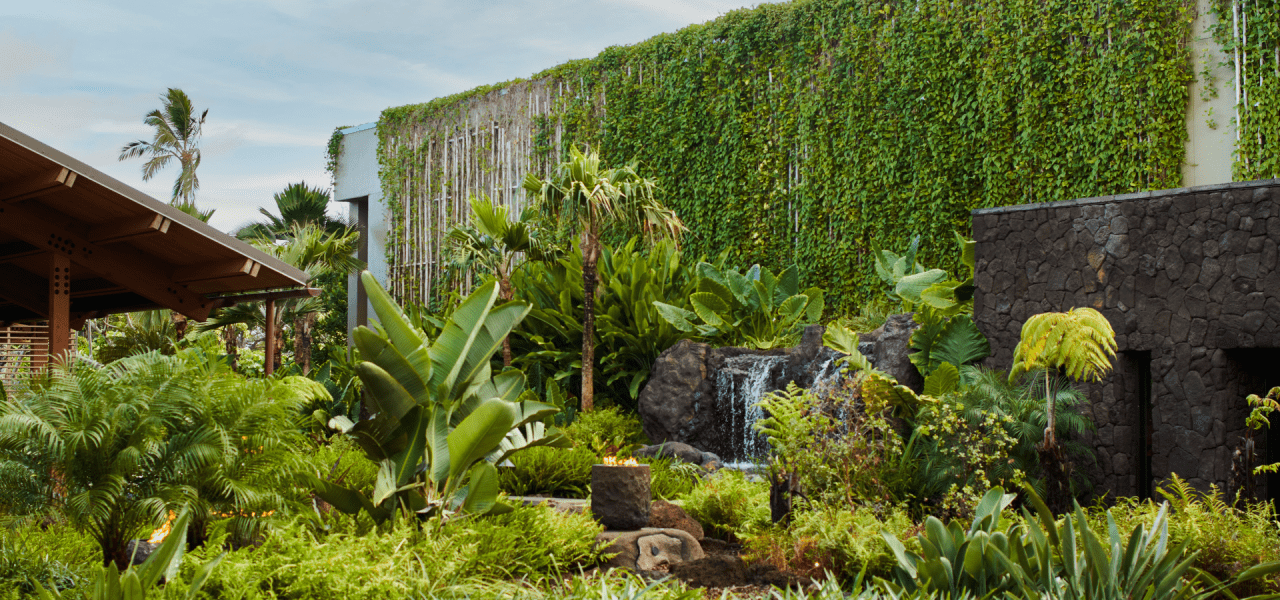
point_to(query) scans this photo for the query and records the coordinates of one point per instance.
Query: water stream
(741, 384)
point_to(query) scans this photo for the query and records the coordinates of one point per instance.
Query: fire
(613, 461)
(158, 535)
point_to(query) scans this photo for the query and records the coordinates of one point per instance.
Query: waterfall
(740, 385)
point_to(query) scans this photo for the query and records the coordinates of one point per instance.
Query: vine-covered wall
(811, 131)
(1249, 31)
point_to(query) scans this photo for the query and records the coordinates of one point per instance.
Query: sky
(277, 76)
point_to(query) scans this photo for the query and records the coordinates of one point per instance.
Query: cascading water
(740, 385)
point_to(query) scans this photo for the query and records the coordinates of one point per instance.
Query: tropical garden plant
(438, 405)
(756, 308)
(178, 126)
(590, 200)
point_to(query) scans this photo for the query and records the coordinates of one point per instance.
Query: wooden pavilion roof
(128, 251)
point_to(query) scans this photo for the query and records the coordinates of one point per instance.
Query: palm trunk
(302, 327)
(231, 336)
(590, 252)
(277, 356)
(1054, 466)
(505, 292)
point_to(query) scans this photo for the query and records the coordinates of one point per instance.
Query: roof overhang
(127, 250)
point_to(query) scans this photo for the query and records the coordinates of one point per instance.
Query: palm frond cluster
(116, 448)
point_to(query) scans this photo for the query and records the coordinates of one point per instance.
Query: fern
(1080, 342)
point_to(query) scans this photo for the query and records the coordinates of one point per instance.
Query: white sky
(278, 75)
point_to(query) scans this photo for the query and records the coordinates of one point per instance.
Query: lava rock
(665, 515)
(892, 353)
(140, 550)
(620, 496)
(649, 548)
(677, 450)
(719, 571)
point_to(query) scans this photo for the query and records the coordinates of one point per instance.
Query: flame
(158, 535)
(613, 461)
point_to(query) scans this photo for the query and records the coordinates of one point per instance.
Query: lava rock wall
(1188, 279)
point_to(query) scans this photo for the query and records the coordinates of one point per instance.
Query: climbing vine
(810, 132)
(1249, 32)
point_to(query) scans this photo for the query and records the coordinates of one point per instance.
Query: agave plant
(440, 418)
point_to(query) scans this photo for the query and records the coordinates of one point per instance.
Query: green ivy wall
(812, 131)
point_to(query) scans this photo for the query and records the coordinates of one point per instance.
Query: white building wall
(356, 182)
(1211, 141)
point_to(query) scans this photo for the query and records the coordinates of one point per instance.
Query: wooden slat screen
(21, 346)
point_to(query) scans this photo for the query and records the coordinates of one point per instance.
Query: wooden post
(59, 307)
(270, 366)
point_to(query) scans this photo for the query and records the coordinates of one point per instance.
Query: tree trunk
(179, 325)
(302, 327)
(231, 336)
(277, 356)
(1054, 465)
(505, 292)
(590, 253)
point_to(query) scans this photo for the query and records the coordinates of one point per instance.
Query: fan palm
(589, 200)
(314, 251)
(298, 205)
(177, 137)
(493, 242)
(118, 442)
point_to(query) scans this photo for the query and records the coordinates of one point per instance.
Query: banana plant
(755, 309)
(440, 418)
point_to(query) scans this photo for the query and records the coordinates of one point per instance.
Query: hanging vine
(812, 131)
(1249, 32)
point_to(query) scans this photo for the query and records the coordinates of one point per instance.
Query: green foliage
(811, 132)
(728, 505)
(135, 582)
(437, 404)
(1225, 539)
(606, 424)
(57, 556)
(952, 560)
(966, 455)
(1080, 342)
(134, 333)
(839, 540)
(955, 340)
(342, 462)
(670, 479)
(466, 557)
(559, 472)
(755, 309)
(1250, 35)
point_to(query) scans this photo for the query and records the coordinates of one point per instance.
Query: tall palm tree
(493, 242)
(297, 205)
(590, 200)
(314, 251)
(177, 137)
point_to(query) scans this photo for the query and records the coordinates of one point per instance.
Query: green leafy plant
(439, 405)
(563, 473)
(728, 505)
(831, 539)
(756, 309)
(587, 199)
(134, 583)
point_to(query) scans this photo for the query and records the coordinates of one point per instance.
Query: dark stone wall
(1188, 279)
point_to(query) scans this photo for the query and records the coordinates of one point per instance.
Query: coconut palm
(297, 205)
(493, 242)
(117, 442)
(589, 200)
(315, 252)
(177, 137)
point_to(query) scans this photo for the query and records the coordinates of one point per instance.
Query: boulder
(677, 388)
(892, 350)
(677, 450)
(665, 515)
(139, 550)
(719, 571)
(649, 548)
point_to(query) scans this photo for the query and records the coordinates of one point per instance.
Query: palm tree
(1080, 343)
(589, 200)
(117, 441)
(314, 251)
(297, 205)
(493, 242)
(177, 136)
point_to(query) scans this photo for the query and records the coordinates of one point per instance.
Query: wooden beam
(139, 272)
(225, 301)
(270, 352)
(59, 307)
(130, 227)
(24, 289)
(37, 185)
(221, 269)
(14, 250)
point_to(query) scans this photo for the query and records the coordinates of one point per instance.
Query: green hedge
(811, 131)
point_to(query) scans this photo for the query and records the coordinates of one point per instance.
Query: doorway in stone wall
(1135, 369)
(1255, 371)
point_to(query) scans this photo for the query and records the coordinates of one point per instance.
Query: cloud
(685, 12)
(20, 56)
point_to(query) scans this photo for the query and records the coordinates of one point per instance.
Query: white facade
(355, 181)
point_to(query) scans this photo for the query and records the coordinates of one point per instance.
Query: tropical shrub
(561, 472)
(54, 556)
(606, 426)
(669, 479)
(728, 505)
(756, 309)
(439, 404)
(840, 540)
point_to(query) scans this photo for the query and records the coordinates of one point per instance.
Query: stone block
(649, 549)
(620, 496)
